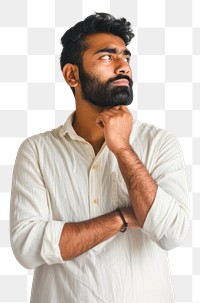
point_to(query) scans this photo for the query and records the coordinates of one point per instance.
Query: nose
(122, 67)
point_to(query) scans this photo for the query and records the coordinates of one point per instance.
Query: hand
(117, 125)
(130, 217)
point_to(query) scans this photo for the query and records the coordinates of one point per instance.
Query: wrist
(123, 220)
(120, 149)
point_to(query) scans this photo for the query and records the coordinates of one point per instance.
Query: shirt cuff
(160, 215)
(50, 251)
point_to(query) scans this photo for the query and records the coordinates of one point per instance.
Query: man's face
(105, 74)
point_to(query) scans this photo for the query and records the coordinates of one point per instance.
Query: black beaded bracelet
(123, 219)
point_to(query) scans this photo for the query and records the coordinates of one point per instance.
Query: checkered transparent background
(34, 98)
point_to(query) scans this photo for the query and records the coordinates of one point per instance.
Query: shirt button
(94, 166)
(94, 201)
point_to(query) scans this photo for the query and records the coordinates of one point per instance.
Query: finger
(102, 120)
(112, 111)
(105, 116)
(107, 113)
(118, 107)
(99, 123)
(124, 109)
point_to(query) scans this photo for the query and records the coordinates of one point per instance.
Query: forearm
(158, 199)
(77, 238)
(117, 125)
(141, 186)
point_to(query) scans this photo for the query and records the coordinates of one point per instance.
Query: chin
(120, 102)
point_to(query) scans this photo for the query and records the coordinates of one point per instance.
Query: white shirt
(57, 178)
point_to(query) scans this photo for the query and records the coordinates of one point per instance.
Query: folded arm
(159, 199)
(36, 237)
(78, 238)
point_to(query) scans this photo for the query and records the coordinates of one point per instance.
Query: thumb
(99, 123)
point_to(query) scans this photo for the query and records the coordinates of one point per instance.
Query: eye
(106, 57)
(127, 59)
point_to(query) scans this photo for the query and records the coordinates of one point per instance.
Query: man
(97, 202)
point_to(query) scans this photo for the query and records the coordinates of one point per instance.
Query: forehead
(104, 40)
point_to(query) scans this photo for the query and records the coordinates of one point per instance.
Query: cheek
(101, 74)
(102, 71)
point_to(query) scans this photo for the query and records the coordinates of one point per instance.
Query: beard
(105, 94)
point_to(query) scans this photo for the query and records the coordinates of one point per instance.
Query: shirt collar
(67, 128)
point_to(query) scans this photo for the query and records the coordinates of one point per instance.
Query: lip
(121, 82)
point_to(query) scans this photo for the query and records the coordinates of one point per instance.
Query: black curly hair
(73, 41)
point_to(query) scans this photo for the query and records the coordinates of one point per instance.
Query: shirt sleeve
(168, 219)
(34, 235)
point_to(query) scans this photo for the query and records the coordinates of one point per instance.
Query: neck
(86, 127)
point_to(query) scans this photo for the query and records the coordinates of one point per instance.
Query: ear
(71, 75)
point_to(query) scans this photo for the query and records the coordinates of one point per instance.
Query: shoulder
(151, 132)
(39, 141)
(147, 136)
(148, 130)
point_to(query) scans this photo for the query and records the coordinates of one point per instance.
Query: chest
(81, 185)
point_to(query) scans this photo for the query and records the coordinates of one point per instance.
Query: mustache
(119, 77)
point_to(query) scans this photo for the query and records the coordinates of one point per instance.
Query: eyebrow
(113, 51)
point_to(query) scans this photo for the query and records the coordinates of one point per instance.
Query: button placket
(93, 190)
